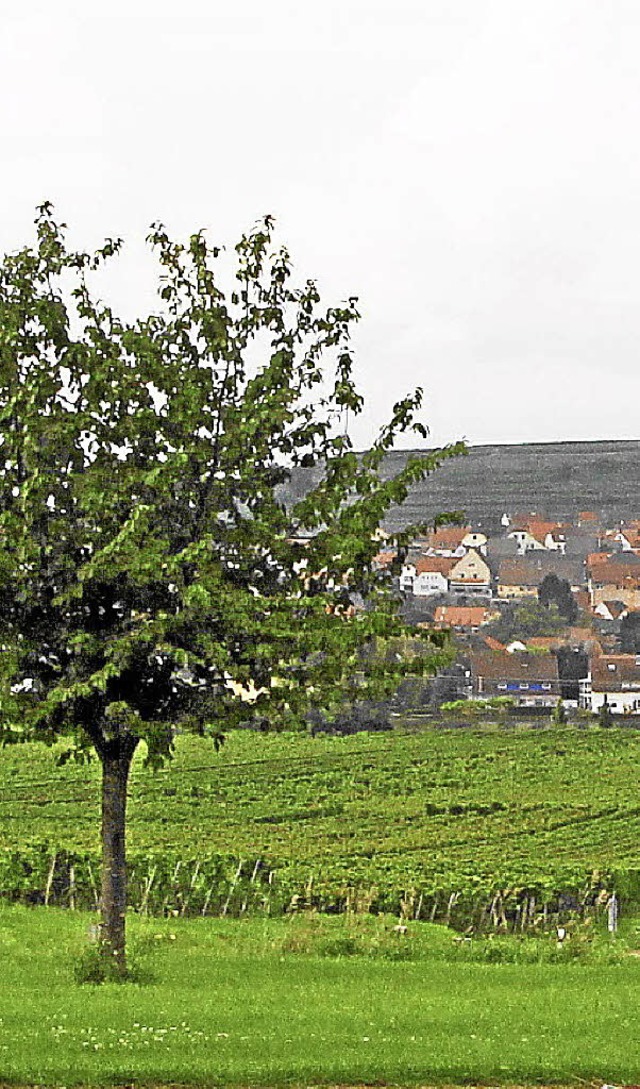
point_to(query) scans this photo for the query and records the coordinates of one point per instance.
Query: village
(543, 613)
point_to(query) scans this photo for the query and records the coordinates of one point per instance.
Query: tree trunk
(116, 763)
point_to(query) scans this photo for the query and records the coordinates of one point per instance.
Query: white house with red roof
(427, 575)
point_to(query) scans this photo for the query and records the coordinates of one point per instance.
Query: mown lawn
(263, 1002)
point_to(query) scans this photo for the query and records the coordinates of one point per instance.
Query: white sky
(469, 168)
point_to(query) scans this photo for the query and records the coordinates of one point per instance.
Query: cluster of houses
(470, 577)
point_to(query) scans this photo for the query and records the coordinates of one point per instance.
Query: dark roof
(615, 672)
(530, 569)
(518, 666)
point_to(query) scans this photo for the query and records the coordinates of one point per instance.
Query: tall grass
(265, 1002)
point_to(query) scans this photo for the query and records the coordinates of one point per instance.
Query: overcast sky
(469, 168)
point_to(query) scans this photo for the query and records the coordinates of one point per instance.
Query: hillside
(558, 479)
(441, 812)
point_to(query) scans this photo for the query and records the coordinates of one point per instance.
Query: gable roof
(384, 558)
(615, 672)
(470, 559)
(616, 608)
(530, 570)
(460, 616)
(615, 574)
(447, 537)
(434, 564)
(538, 528)
(517, 666)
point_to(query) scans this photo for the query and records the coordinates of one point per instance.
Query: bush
(93, 967)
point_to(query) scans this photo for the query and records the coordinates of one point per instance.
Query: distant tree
(525, 620)
(573, 666)
(605, 716)
(150, 575)
(557, 591)
(630, 633)
(559, 716)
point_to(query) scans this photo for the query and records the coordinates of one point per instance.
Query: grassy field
(466, 810)
(265, 1002)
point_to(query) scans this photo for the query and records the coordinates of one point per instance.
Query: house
(426, 575)
(613, 679)
(525, 540)
(531, 680)
(629, 540)
(615, 580)
(571, 540)
(382, 560)
(470, 575)
(447, 540)
(461, 617)
(522, 577)
(475, 539)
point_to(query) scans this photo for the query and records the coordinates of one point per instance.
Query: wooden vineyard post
(94, 887)
(72, 887)
(48, 886)
(207, 899)
(453, 899)
(253, 877)
(144, 903)
(232, 887)
(268, 896)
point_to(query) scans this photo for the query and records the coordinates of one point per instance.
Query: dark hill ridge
(557, 479)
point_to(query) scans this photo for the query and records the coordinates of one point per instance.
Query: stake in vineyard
(149, 574)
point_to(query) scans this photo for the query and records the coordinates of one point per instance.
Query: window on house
(611, 667)
(502, 687)
(546, 687)
(524, 686)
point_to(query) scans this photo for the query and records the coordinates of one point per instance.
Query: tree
(525, 620)
(150, 573)
(605, 716)
(557, 591)
(573, 667)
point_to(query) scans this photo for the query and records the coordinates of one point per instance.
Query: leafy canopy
(150, 573)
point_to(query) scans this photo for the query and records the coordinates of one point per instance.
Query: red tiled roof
(447, 536)
(615, 574)
(384, 559)
(460, 616)
(440, 564)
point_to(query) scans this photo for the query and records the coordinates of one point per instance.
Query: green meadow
(312, 1000)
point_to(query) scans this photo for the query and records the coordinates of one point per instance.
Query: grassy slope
(370, 809)
(231, 1006)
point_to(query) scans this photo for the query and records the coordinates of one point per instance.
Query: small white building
(613, 679)
(426, 575)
